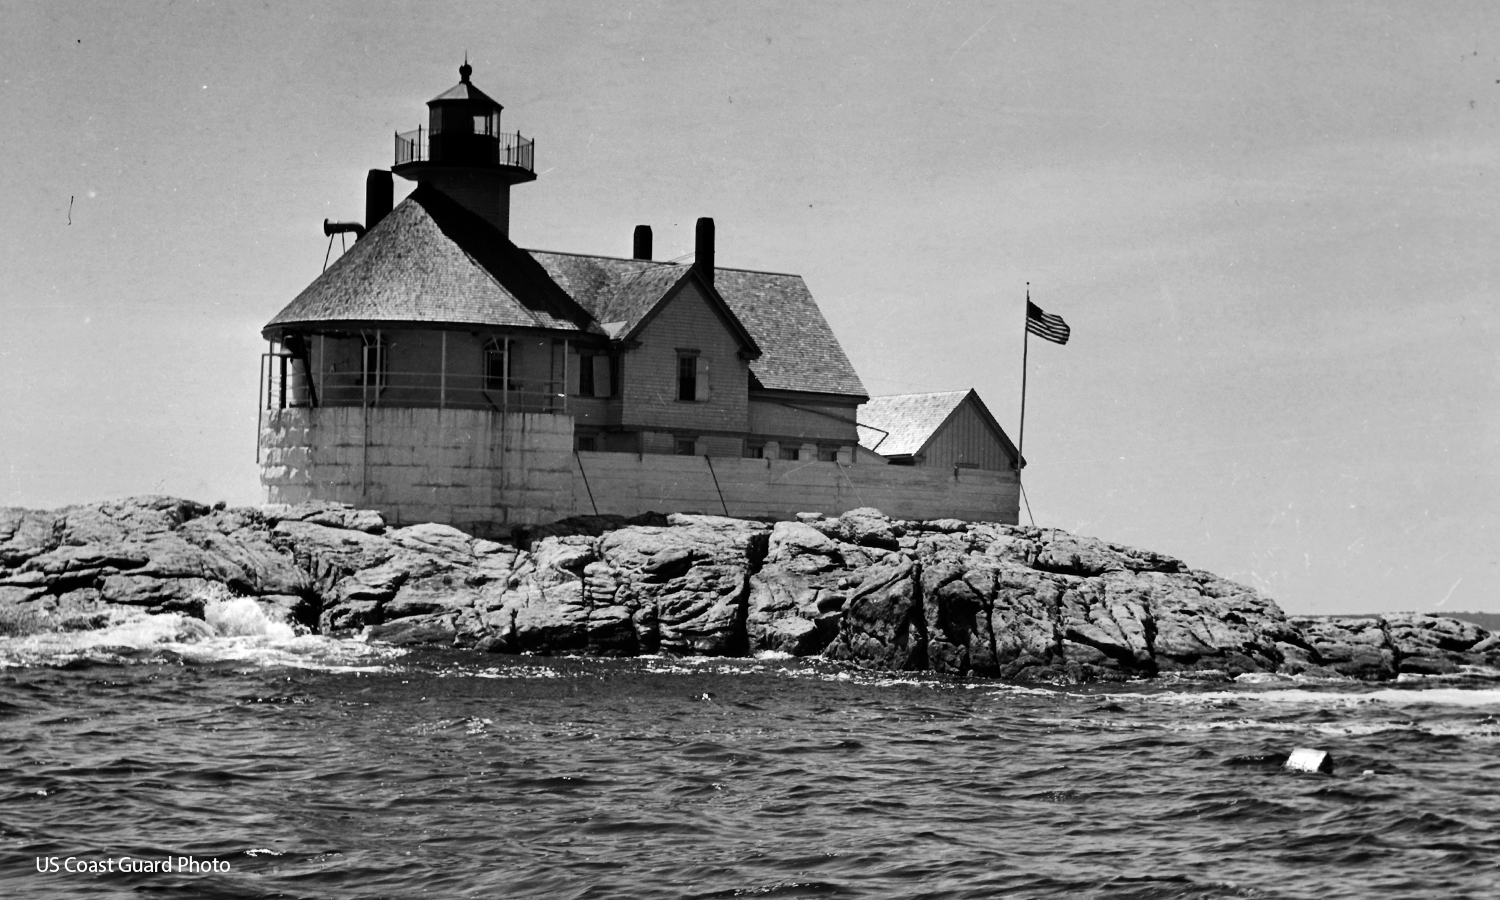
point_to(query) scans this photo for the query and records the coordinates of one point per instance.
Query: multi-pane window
(687, 446)
(828, 453)
(587, 443)
(791, 453)
(755, 451)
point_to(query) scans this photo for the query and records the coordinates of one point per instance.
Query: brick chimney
(642, 242)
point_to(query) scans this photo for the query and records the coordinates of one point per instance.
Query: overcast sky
(1272, 228)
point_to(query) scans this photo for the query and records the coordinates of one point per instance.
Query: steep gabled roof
(430, 260)
(798, 349)
(904, 424)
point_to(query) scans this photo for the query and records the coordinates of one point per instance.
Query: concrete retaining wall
(487, 472)
(478, 470)
(629, 484)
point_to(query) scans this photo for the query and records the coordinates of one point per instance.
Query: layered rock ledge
(956, 598)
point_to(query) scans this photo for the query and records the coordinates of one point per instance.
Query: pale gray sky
(1271, 227)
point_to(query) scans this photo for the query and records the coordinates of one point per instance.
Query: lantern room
(463, 152)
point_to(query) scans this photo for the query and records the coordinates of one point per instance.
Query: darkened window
(587, 443)
(687, 377)
(755, 451)
(596, 374)
(586, 375)
(828, 453)
(792, 453)
(687, 446)
(494, 367)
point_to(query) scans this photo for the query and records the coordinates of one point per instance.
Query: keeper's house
(438, 372)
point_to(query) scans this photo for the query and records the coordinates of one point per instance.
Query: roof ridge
(659, 262)
(920, 394)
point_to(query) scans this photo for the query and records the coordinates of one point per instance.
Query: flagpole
(1025, 348)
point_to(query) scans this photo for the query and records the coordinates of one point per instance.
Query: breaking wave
(233, 629)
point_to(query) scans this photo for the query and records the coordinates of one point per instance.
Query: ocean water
(235, 759)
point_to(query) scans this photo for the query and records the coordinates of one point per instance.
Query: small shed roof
(903, 424)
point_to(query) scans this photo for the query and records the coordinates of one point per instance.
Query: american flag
(1046, 325)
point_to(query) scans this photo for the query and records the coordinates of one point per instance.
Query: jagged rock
(429, 629)
(1204, 622)
(869, 528)
(797, 598)
(1358, 648)
(957, 598)
(340, 516)
(543, 609)
(883, 624)
(685, 585)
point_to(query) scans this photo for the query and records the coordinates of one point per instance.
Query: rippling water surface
(315, 768)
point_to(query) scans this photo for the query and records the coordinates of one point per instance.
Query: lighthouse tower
(463, 153)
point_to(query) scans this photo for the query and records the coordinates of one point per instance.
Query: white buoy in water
(1306, 760)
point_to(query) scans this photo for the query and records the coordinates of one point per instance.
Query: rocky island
(945, 596)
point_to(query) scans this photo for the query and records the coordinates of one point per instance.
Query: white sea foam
(243, 617)
(1397, 697)
(235, 629)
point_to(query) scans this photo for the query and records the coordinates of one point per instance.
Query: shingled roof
(903, 424)
(798, 349)
(431, 260)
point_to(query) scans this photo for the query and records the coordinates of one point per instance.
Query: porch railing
(286, 383)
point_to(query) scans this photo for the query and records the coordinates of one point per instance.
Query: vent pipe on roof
(332, 228)
(642, 242)
(378, 197)
(703, 249)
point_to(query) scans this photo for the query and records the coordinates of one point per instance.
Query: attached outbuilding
(948, 429)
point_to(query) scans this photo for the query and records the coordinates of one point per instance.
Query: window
(587, 443)
(595, 375)
(586, 375)
(754, 451)
(791, 453)
(374, 369)
(494, 367)
(828, 453)
(687, 377)
(687, 446)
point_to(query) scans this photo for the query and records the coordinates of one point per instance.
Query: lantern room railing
(464, 149)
